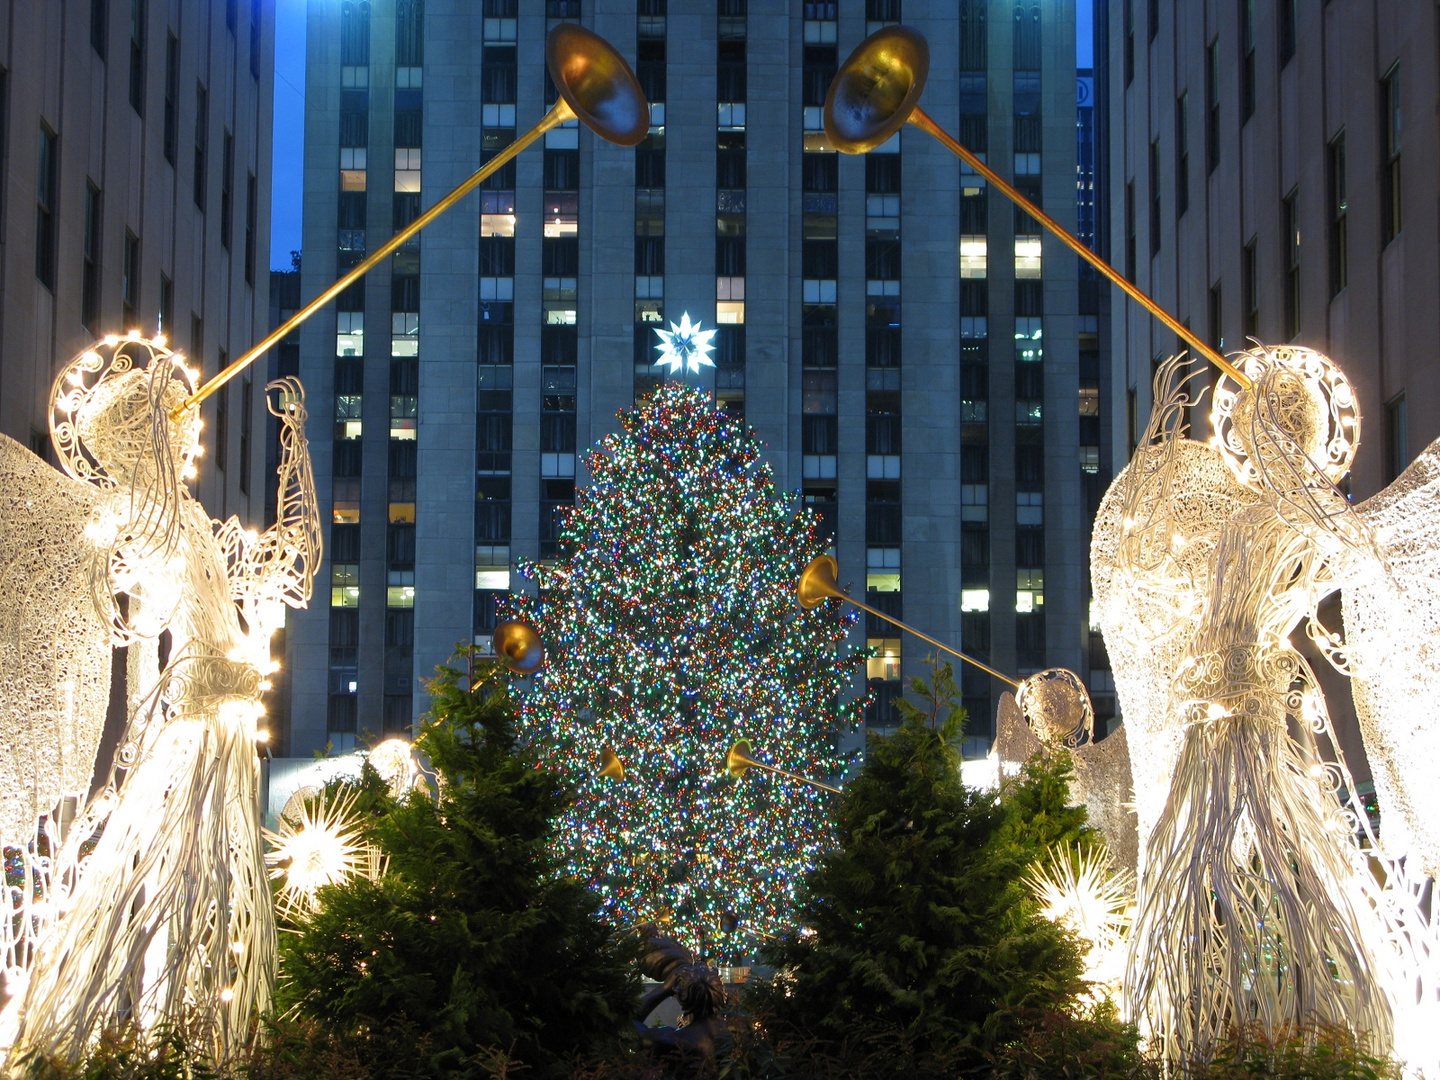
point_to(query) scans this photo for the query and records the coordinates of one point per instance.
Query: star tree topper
(685, 346)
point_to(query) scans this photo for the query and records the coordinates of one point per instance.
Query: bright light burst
(1079, 891)
(319, 846)
(685, 346)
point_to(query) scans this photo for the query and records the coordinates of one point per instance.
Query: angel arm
(280, 564)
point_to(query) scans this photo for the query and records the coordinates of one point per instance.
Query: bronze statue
(694, 984)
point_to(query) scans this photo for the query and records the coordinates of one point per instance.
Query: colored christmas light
(672, 630)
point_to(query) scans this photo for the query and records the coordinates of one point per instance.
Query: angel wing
(54, 649)
(1392, 650)
(1101, 780)
(1150, 565)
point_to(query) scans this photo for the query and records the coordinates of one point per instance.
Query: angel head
(1299, 407)
(113, 420)
(1057, 707)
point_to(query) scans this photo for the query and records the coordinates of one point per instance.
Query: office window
(1397, 438)
(45, 209)
(1128, 15)
(202, 142)
(137, 56)
(172, 95)
(255, 39)
(167, 306)
(1390, 218)
(1249, 297)
(1182, 154)
(409, 33)
(221, 456)
(1285, 17)
(1212, 106)
(1217, 312)
(1339, 246)
(1155, 198)
(1247, 60)
(130, 280)
(247, 407)
(251, 213)
(1290, 236)
(974, 47)
(1025, 42)
(227, 189)
(90, 276)
(99, 26)
(1130, 231)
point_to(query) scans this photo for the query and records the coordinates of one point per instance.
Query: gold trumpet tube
(596, 87)
(738, 760)
(877, 91)
(818, 581)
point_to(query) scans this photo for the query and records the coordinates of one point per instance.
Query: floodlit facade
(1272, 177)
(135, 193)
(911, 348)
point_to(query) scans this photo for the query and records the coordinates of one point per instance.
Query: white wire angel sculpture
(170, 915)
(1257, 905)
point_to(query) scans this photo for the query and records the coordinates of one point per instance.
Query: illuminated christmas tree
(671, 631)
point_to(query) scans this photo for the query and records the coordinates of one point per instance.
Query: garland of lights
(672, 631)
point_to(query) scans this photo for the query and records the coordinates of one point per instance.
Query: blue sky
(290, 119)
(289, 145)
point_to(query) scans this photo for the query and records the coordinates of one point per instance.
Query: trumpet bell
(738, 760)
(817, 582)
(611, 765)
(876, 89)
(597, 84)
(518, 646)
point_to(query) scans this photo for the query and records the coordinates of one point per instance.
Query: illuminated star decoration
(685, 346)
(321, 846)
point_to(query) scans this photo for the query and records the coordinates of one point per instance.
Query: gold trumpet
(610, 764)
(876, 92)
(817, 582)
(596, 87)
(738, 761)
(519, 647)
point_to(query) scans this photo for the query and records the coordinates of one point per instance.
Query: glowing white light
(395, 762)
(685, 346)
(322, 846)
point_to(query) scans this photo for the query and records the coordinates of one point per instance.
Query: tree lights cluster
(672, 631)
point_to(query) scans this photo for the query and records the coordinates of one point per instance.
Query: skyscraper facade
(911, 348)
(1277, 184)
(1270, 179)
(135, 187)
